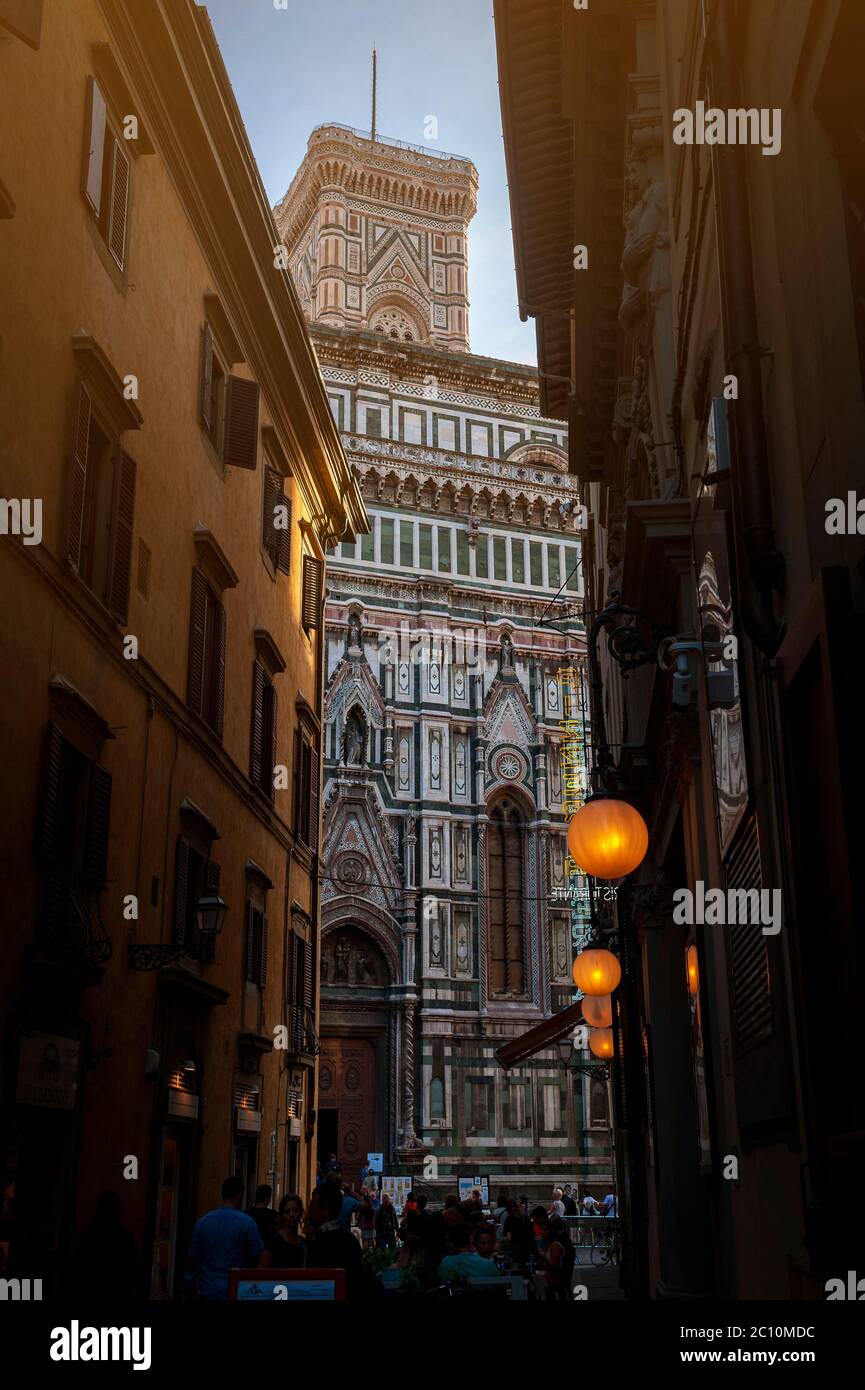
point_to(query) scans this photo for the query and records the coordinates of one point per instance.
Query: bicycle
(605, 1245)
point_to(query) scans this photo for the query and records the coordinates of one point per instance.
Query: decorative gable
(360, 848)
(352, 684)
(509, 718)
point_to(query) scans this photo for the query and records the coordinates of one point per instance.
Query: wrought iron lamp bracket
(625, 637)
(155, 956)
(602, 1071)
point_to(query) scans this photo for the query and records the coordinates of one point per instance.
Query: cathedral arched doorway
(354, 1090)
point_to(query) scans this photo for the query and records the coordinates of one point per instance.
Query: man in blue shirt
(470, 1264)
(224, 1239)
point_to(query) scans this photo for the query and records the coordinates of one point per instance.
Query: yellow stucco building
(171, 477)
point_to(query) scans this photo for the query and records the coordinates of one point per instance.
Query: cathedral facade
(445, 927)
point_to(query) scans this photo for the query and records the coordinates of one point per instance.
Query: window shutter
(96, 149)
(308, 977)
(272, 497)
(256, 739)
(283, 537)
(250, 941)
(313, 799)
(122, 519)
(241, 423)
(119, 207)
(197, 640)
(181, 888)
(51, 794)
(262, 960)
(98, 822)
(311, 599)
(207, 377)
(295, 994)
(219, 670)
(78, 477)
(749, 959)
(298, 749)
(273, 741)
(303, 781)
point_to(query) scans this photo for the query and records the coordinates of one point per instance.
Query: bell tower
(376, 234)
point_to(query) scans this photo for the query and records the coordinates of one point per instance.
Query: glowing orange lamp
(596, 971)
(608, 838)
(601, 1042)
(693, 969)
(597, 1010)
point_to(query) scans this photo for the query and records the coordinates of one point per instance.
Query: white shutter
(98, 117)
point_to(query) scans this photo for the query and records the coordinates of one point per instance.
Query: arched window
(437, 1099)
(505, 878)
(394, 321)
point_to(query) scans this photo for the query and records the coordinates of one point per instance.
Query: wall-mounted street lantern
(598, 1071)
(607, 837)
(693, 969)
(596, 971)
(597, 1010)
(601, 1043)
(210, 913)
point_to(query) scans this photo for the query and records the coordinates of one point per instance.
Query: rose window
(395, 323)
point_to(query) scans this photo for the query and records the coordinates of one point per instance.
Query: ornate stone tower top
(376, 232)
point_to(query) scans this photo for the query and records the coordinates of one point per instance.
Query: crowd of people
(359, 1231)
(461, 1243)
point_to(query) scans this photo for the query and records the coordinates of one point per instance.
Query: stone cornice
(343, 349)
(422, 590)
(459, 470)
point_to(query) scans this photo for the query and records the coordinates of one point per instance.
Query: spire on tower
(374, 84)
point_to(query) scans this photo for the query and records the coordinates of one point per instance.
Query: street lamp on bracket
(210, 913)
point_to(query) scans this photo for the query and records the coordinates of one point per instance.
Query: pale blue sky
(296, 68)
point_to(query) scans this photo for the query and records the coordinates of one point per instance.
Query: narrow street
(432, 616)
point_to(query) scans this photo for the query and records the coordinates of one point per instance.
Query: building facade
(166, 424)
(445, 927)
(714, 359)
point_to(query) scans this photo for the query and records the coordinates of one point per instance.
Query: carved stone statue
(645, 259)
(354, 741)
(342, 953)
(355, 632)
(365, 969)
(507, 650)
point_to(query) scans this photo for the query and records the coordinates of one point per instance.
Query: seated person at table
(470, 1264)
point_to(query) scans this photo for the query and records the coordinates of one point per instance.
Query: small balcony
(72, 929)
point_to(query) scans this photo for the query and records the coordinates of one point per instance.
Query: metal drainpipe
(760, 567)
